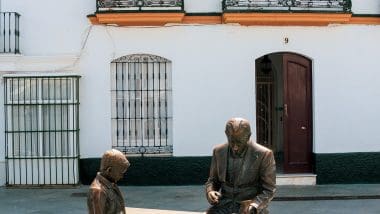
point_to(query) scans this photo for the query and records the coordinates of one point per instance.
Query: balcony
(138, 12)
(139, 5)
(287, 5)
(243, 12)
(9, 33)
(287, 12)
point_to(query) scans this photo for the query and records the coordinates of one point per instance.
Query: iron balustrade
(141, 105)
(9, 32)
(139, 5)
(287, 5)
(41, 130)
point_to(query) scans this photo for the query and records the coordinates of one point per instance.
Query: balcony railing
(9, 32)
(139, 5)
(287, 5)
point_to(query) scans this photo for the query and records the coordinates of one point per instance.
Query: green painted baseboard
(347, 168)
(338, 168)
(155, 170)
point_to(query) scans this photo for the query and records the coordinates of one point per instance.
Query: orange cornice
(286, 19)
(135, 19)
(365, 20)
(202, 20)
(268, 19)
(93, 19)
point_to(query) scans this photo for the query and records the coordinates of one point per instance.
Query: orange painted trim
(268, 19)
(365, 20)
(135, 19)
(286, 19)
(93, 20)
(202, 20)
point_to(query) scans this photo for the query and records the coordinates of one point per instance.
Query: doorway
(284, 110)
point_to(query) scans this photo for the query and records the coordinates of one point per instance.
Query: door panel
(297, 114)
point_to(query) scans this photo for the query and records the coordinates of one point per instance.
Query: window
(41, 128)
(141, 105)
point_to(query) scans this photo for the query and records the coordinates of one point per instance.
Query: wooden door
(297, 114)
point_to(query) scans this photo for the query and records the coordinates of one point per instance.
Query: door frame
(310, 100)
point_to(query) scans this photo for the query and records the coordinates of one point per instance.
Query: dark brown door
(297, 114)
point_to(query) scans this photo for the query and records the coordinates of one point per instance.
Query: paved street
(190, 199)
(368, 206)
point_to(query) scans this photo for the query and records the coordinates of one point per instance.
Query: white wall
(213, 72)
(346, 93)
(213, 80)
(197, 91)
(366, 6)
(95, 95)
(203, 6)
(51, 27)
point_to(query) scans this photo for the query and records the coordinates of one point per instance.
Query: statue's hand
(247, 208)
(213, 197)
(252, 210)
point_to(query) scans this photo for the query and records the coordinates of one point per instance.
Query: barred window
(41, 128)
(141, 105)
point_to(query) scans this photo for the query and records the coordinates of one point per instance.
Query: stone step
(296, 179)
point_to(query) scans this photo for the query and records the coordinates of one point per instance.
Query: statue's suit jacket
(257, 180)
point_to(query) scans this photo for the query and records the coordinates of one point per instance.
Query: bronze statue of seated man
(242, 173)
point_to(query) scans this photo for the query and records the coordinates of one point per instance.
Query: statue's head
(113, 165)
(238, 132)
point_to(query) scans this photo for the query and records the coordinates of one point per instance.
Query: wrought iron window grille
(141, 105)
(287, 5)
(9, 32)
(41, 130)
(139, 5)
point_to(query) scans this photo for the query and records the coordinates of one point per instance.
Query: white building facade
(82, 77)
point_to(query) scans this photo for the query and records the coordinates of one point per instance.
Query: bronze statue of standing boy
(104, 196)
(242, 173)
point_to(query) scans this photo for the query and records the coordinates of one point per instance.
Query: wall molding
(20, 63)
(194, 19)
(246, 19)
(287, 19)
(365, 20)
(136, 19)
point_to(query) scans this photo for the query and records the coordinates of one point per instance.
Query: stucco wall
(365, 6)
(51, 27)
(196, 6)
(213, 79)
